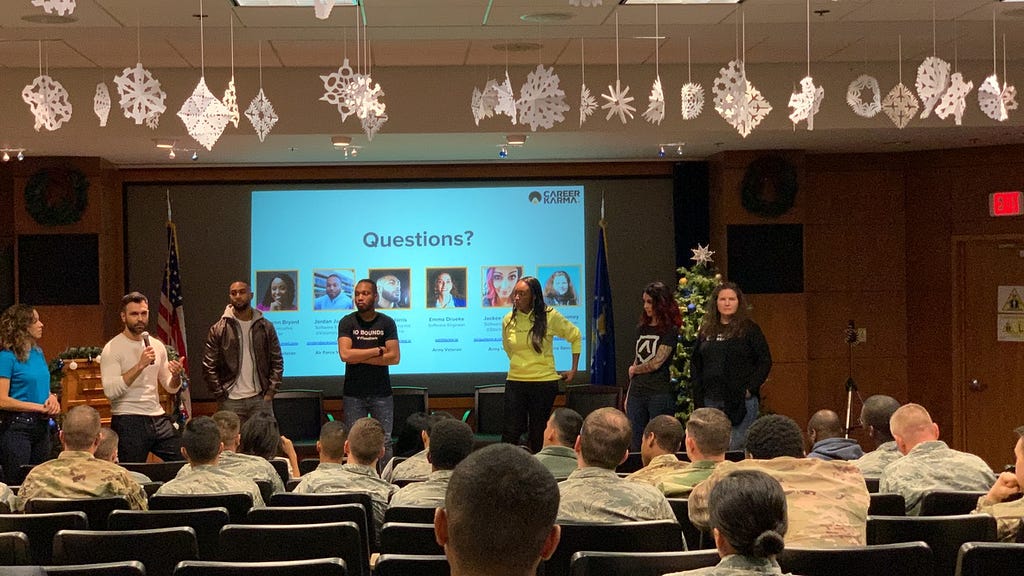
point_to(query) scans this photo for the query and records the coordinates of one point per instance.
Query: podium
(85, 386)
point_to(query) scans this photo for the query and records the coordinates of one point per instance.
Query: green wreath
(769, 186)
(57, 196)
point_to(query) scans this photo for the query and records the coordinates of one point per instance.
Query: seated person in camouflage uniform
(826, 435)
(594, 493)
(201, 446)
(874, 418)
(499, 514)
(364, 446)
(451, 441)
(708, 435)
(827, 501)
(748, 520)
(928, 464)
(77, 473)
(663, 437)
(557, 454)
(107, 450)
(416, 467)
(230, 460)
(1009, 515)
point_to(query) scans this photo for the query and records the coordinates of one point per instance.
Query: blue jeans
(24, 439)
(641, 409)
(739, 431)
(381, 409)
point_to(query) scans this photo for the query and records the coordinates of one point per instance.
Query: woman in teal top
(26, 403)
(527, 333)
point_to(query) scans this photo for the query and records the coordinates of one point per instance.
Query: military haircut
(825, 424)
(748, 507)
(366, 440)
(332, 439)
(877, 411)
(775, 435)
(81, 427)
(107, 446)
(711, 430)
(451, 441)
(567, 423)
(201, 440)
(500, 506)
(229, 424)
(668, 432)
(605, 438)
(909, 419)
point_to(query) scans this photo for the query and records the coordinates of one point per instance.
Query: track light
(6, 157)
(661, 151)
(195, 155)
(502, 152)
(21, 155)
(171, 154)
(664, 147)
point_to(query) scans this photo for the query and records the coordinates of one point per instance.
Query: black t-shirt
(367, 380)
(648, 339)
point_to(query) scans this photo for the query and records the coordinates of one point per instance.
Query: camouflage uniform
(597, 495)
(1009, 517)
(872, 463)
(211, 479)
(245, 466)
(735, 565)
(77, 474)
(428, 494)
(560, 460)
(7, 498)
(658, 469)
(415, 467)
(331, 478)
(933, 466)
(827, 501)
(680, 484)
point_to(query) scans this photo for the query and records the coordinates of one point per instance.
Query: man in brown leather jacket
(242, 362)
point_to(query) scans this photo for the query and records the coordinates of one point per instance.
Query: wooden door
(988, 369)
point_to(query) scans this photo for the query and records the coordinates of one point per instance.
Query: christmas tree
(692, 295)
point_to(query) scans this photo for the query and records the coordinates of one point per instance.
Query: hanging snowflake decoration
(617, 102)
(339, 90)
(541, 102)
(693, 100)
(506, 100)
(588, 104)
(204, 115)
(900, 105)
(230, 101)
(59, 7)
(366, 95)
(954, 101)
(484, 101)
(142, 99)
(932, 82)
(655, 112)
(806, 102)
(995, 102)
(101, 103)
(372, 124)
(48, 101)
(855, 98)
(323, 8)
(585, 2)
(738, 101)
(261, 115)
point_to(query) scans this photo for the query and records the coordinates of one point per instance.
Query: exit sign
(1005, 204)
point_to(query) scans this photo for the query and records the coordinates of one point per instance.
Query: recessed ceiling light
(341, 141)
(165, 143)
(636, 2)
(515, 139)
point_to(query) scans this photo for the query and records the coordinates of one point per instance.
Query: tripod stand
(851, 385)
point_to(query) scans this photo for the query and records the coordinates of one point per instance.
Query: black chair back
(156, 471)
(632, 463)
(695, 538)
(206, 522)
(151, 487)
(307, 465)
(943, 534)
(293, 499)
(649, 536)
(489, 411)
(40, 529)
(300, 414)
(412, 565)
(408, 538)
(902, 559)
(281, 467)
(266, 489)
(14, 549)
(414, 514)
(408, 400)
(280, 542)
(593, 563)
(159, 549)
(990, 559)
(887, 504)
(948, 503)
(23, 471)
(316, 567)
(872, 484)
(126, 568)
(236, 503)
(735, 455)
(585, 398)
(96, 509)
(324, 514)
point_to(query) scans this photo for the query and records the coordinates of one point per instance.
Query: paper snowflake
(655, 112)
(204, 115)
(932, 82)
(261, 115)
(806, 102)
(737, 100)
(995, 102)
(588, 104)
(230, 101)
(900, 105)
(954, 101)
(693, 100)
(59, 7)
(48, 101)
(101, 103)
(617, 102)
(855, 98)
(340, 90)
(585, 2)
(484, 101)
(142, 99)
(366, 95)
(323, 8)
(506, 100)
(701, 255)
(541, 102)
(372, 124)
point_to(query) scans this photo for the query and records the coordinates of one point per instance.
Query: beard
(240, 306)
(138, 328)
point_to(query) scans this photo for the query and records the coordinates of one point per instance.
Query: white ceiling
(429, 54)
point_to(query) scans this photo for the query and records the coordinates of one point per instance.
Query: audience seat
(990, 559)
(318, 515)
(361, 498)
(206, 522)
(281, 467)
(236, 503)
(735, 455)
(489, 409)
(871, 482)
(415, 514)
(40, 529)
(695, 538)
(281, 542)
(159, 549)
(408, 538)
(266, 489)
(585, 398)
(14, 549)
(948, 503)
(632, 463)
(650, 536)
(300, 414)
(316, 567)
(593, 563)
(96, 509)
(887, 504)
(901, 559)
(943, 534)
(156, 471)
(125, 568)
(412, 565)
(307, 465)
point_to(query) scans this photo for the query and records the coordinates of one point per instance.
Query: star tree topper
(701, 254)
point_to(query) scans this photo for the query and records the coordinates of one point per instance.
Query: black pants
(24, 439)
(528, 407)
(140, 435)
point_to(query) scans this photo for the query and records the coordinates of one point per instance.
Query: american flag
(171, 323)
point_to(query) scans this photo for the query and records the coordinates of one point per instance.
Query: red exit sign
(1005, 204)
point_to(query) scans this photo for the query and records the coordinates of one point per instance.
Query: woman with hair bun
(748, 519)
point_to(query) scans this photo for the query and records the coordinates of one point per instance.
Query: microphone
(851, 333)
(145, 340)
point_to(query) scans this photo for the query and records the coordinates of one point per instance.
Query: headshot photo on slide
(561, 284)
(332, 288)
(277, 290)
(393, 287)
(446, 287)
(498, 284)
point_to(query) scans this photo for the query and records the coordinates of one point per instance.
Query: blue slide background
(318, 229)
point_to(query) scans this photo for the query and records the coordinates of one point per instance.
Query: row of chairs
(314, 567)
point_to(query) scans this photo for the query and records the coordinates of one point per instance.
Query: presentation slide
(445, 261)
